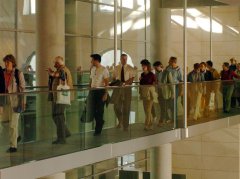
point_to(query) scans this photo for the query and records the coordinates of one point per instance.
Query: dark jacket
(2, 87)
(2, 81)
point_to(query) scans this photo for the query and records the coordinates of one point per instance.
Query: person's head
(170, 61)
(238, 66)
(58, 62)
(10, 62)
(209, 64)
(173, 61)
(158, 66)
(123, 59)
(203, 66)
(146, 65)
(29, 68)
(96, 59)
(196, 67)
(225, 66)
(233, 61)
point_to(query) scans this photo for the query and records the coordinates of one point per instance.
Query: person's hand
(104, 98)
(49, 70)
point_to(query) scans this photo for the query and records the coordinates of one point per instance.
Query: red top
(228, 75)
(147, 79)
(8, 78)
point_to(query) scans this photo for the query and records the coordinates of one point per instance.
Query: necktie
(122, 74)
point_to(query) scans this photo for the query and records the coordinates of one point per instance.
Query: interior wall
(213, 155)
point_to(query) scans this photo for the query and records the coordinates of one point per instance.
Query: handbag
(63, 94)
(21, 106)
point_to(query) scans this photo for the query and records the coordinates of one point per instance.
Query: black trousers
(97, 108)
(59, 120)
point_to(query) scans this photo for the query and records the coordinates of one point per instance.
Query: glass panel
(7, 14)
(225, 35)
(7, 42)
(78, 17)
(38, 129)
(198, 31)
(136, 51)
(133, 25)
(100, 27)
(108, 2)
(26, 48)
(26, 15)
(101, 46)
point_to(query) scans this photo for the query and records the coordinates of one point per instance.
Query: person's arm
(22, 83)
(180, 76)
(216, 75)
(115, 71)
(235, 75)
(106, 84)
(131, 77)
(129, 81)
(154, 79)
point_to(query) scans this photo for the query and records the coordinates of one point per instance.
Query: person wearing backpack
(13, 83)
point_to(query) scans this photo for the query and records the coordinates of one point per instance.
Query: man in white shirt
(99, 77)
(122, 101)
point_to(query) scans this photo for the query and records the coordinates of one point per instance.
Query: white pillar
(50, 42)
(161, 162)
(56, 176)
(160, 32)
(50, 31)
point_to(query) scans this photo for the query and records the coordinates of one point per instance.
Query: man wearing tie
(122, 102)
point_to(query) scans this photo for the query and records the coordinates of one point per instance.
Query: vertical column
(160, 32)
(161, 162)
(50, 35)
(50, 39)
(72, 44)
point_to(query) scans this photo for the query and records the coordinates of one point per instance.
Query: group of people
(159, 87)
(205, 84)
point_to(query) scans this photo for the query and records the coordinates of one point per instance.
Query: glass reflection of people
(62, 74)
(213, 87)
(195, 91)
(227, 86)
(165, 93)
(236, 93)
(79, 75)
(13, 83)
(99, 77)
(147, 92)
(29, 75)
(122, 97)
(177, 78)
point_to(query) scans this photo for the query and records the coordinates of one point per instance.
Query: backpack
(16, 75)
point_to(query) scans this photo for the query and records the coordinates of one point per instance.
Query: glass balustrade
(141, 110)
